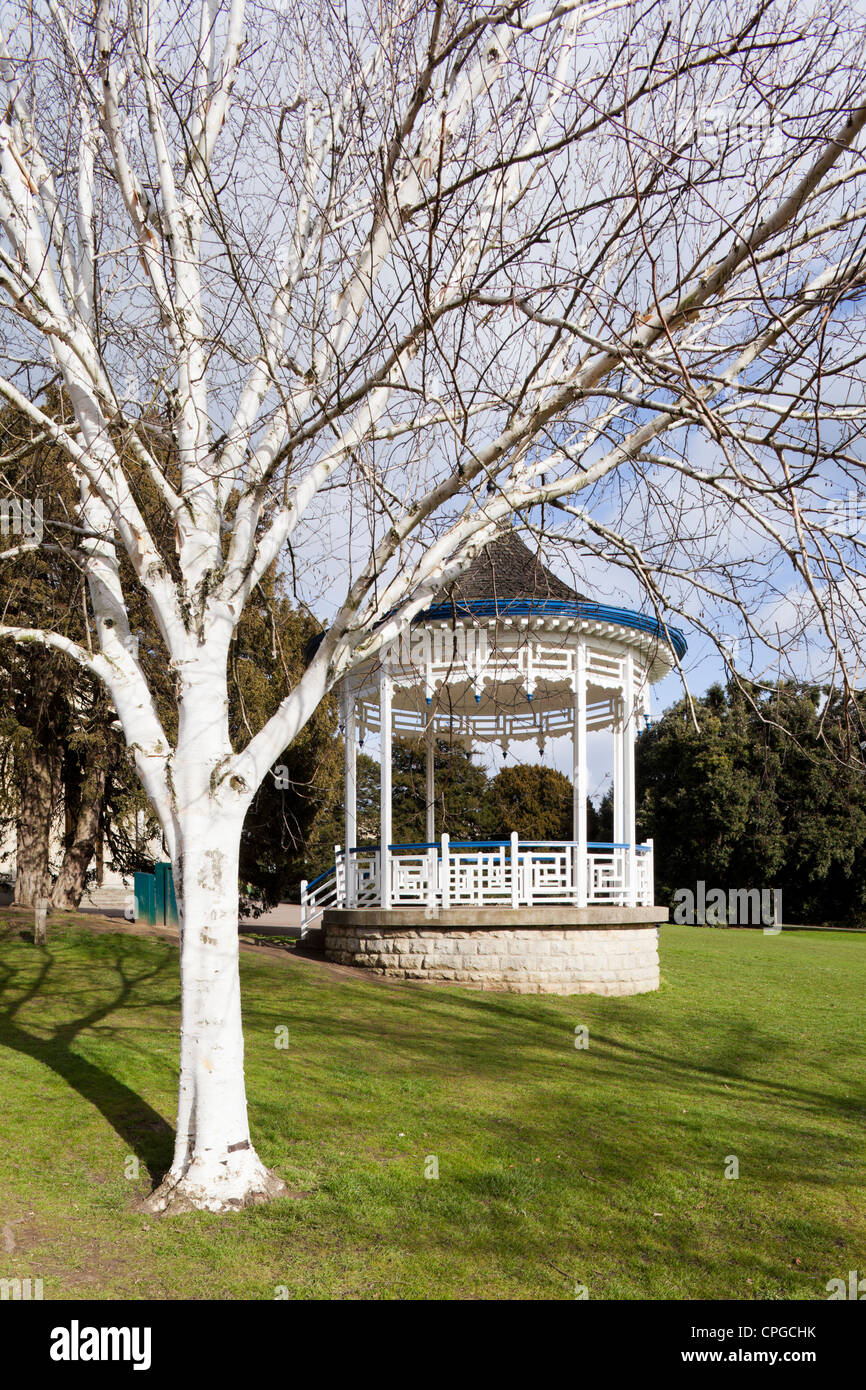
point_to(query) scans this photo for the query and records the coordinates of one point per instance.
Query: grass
(557, 1166)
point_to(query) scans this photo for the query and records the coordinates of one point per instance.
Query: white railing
(492, 873)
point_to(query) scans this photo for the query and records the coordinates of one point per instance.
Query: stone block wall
(614, 960)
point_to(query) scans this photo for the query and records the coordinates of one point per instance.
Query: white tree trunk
(215, 1166)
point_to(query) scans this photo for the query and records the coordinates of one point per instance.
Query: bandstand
(511, 653)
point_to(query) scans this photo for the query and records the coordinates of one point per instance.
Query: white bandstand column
(430, 742)
(385, 690)
(350, 794)
(619, 856)
(579, 774)
(629, 783)
(430, 816)
(618, 761)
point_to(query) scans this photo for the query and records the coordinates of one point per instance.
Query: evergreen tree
(768, 792)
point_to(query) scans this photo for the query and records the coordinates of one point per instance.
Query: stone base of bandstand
(530, 950)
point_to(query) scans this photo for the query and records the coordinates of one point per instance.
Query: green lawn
(557, 1167)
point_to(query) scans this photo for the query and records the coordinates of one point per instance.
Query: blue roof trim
(522, 608)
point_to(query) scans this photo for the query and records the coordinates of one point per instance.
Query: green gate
(155, 902)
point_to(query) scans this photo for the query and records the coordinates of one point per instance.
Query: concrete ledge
(496, 918)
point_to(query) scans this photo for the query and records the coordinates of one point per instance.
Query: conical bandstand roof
(506, 572)
(508, 579)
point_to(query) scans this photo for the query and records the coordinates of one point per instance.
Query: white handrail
(513, 873)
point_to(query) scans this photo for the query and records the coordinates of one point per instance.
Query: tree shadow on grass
(148, 1135)
(507, 1039)
(744, 1048)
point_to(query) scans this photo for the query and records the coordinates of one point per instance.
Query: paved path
(112, 920)
(283, 920)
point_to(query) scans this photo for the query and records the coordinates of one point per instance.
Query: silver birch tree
(349, 288)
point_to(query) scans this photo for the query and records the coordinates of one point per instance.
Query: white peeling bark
(215, 1167)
